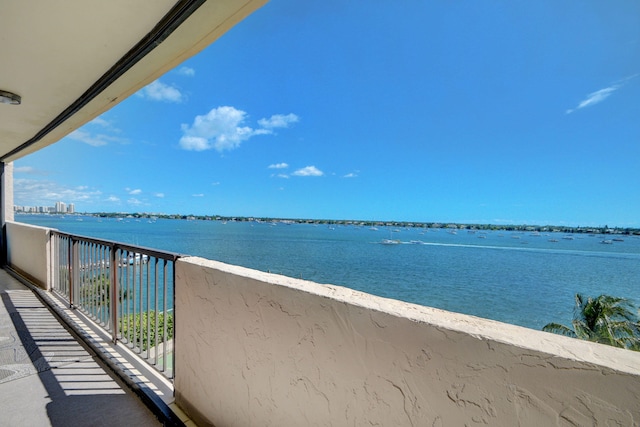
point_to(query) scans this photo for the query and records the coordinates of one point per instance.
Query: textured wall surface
(28, 251)
(257, 349)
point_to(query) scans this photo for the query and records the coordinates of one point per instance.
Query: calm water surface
(518, 278)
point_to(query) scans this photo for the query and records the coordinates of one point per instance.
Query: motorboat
(390, 242)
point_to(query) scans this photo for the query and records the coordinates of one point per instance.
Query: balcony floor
(47, 377)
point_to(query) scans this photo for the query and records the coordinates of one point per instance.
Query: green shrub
(140, 321)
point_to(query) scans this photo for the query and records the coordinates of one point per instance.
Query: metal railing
(127, 290)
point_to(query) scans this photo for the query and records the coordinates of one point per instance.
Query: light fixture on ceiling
(9, 98)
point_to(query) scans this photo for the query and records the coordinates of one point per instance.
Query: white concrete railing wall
(28, 250)
(257, 349)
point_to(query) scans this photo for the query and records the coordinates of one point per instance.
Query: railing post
(75, 262)
(72, 269)
(53, 259)
(173, 359)
(115, 294)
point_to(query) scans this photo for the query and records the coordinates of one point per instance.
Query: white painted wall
(28, 252)
(6, 202)
(257, 349)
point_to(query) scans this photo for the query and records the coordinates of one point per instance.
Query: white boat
(135, 259)
(390, 242)
(607, 242)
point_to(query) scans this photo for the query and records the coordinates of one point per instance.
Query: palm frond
(604, 319)
(559, 329)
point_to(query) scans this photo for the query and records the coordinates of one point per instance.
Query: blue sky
(476, 112)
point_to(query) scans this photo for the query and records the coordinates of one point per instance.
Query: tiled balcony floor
(48, 378)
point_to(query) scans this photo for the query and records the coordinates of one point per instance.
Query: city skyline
(58, 207)
(506, 114)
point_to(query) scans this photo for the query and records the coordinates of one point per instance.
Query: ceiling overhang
(72, 61)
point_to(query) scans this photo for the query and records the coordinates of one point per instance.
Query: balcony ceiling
(72, 60)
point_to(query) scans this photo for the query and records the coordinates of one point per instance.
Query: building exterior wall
(7, 192)
(28, 252)
(257, 349)
(6, 206)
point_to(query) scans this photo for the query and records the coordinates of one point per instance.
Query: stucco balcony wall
(258, 349)
(28, 251)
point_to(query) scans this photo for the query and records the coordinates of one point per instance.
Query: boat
(553, 240)
(135, 259)
(607, 242)
(390, 242)
(617, 239)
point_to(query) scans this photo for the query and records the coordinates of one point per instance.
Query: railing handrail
(167, 255)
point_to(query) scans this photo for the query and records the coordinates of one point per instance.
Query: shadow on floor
(48, 377)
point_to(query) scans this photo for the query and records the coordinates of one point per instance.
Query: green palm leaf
(604, 319)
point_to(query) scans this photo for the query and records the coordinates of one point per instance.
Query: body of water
(527, 279)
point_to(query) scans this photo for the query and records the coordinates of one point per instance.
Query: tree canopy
(604, 319)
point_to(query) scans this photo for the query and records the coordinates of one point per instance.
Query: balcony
(254, 348)
(248, 348)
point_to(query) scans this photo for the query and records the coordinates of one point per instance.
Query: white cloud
(224, 128)
(186, 71)
(134, 201)
(105, 124)
(594, 98)
(215, 183)
(112, 199)
(278, 166)
(221, 128)
(23, 169)
(100, 122)
(350, 175)
(308, 171)
(278, 121)
(281, 175)
(134, 192)
(158, 91)
(30, 170)
(30, 192)
(95, 140)
(159, 195)
(198, 195)
(602, 94)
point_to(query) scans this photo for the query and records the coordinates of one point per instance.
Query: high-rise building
(71, 208)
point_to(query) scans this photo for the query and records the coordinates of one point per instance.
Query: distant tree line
(398, 224)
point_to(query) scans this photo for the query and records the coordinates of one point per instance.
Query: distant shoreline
(369, 223)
